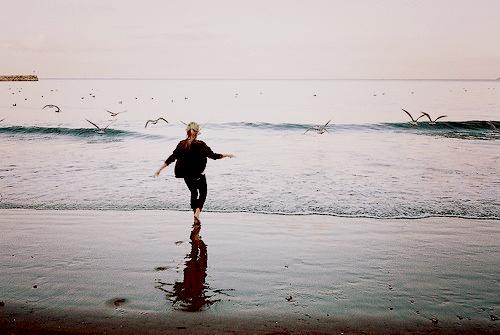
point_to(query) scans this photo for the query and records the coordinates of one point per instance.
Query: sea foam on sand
(120, 271)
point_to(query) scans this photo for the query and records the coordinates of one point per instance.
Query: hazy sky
(251, 39)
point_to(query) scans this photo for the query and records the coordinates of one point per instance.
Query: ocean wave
(475, 129)
(487, 215)
(441, 125)
(74, 132)
(263, 125)
(482, 130)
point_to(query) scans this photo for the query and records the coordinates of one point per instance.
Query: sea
(370, 161)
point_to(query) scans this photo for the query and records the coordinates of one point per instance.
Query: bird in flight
(488, 122)
(413, 121)
(154, 121)
(99, 129)
(429, 117)
(114, 113)
(319, 129)
(52, 106)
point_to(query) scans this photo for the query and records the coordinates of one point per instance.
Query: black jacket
(191, 162)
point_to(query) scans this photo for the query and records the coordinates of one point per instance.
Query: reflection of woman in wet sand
(191, 155)
(191, 291)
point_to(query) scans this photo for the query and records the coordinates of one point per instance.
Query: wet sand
(121, 272)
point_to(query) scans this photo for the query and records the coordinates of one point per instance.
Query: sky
(272, 39)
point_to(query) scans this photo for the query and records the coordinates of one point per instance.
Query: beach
(344, 156)
(374, 226)
(91, 271)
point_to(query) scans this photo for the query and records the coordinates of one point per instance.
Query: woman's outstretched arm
(157, 173)
(169, 160)
(212, 155)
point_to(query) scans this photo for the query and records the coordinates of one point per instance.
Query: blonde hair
(193, 126)
(192, 130)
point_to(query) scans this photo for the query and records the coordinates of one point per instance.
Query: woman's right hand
(157, 173)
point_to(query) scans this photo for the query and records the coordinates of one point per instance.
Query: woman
(191, 155)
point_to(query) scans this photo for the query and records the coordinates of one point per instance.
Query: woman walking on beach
(191, 155)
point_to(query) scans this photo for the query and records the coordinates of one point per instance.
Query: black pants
(198, 188)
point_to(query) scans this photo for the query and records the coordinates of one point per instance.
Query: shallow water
(370, 163)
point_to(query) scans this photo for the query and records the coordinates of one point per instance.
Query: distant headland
(30, 77)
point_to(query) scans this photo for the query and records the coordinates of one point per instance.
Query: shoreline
(85, 272)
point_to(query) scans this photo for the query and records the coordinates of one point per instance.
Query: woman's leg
(191, 184)
(201, 185)
(202, 188)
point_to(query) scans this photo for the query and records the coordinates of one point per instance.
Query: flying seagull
(319, 129)
(99, 129)
(413, 121)
(488, 122)
(2, 119)
(52, 106)
(154, 121)
(429, 117)
(114, 114)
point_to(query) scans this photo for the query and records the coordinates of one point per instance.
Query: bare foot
(197, 216)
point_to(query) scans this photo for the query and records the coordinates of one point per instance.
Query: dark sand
(23, 320)
(152, 272)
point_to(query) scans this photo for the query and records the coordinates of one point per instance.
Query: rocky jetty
(29, 77)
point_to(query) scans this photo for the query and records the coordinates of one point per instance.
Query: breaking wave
(73, 132)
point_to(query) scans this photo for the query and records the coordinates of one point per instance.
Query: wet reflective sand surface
(303, 272)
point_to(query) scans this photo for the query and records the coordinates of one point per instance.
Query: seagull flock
(319, 129)
(102, 130)
(99, 129)
(414, 121)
